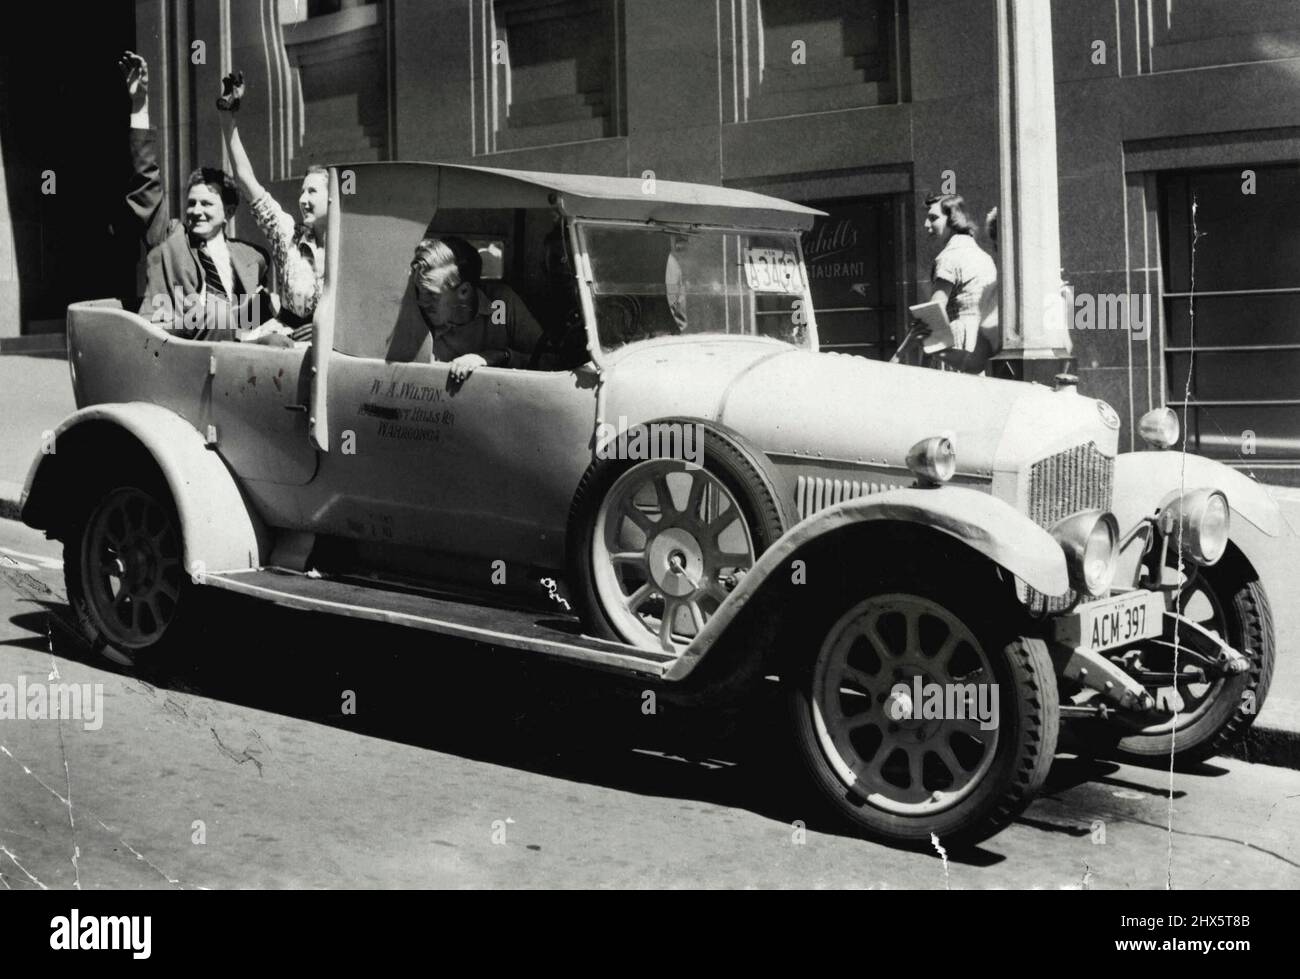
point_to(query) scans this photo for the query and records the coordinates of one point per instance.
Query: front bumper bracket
(1198, 645)
(1095, 671)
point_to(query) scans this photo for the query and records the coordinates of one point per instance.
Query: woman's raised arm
(241, 166)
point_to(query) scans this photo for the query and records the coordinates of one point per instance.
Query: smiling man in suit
(200, 284)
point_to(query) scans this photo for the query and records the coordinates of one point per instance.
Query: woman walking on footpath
(964, 278)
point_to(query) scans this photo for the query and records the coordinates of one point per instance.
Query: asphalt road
(463, 766)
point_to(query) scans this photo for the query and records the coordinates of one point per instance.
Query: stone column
(1035, 337)
(11, 320)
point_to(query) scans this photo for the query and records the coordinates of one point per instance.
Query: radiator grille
(1077, 479)
(1081, 478)
(813, 493)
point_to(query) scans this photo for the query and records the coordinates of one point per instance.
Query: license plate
(1113, 621)
(772, 270)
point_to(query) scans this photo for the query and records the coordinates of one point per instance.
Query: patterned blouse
(299, 263)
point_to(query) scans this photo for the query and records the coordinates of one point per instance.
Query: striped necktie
(211, 278)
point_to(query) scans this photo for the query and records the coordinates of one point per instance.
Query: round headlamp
(1089, 539)
(1198, 523)
(1159, 428)
(933, 460)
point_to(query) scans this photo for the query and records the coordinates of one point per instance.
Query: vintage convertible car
(939, 568)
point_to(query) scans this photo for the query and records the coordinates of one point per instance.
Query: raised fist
(232, 90)
(135, 71)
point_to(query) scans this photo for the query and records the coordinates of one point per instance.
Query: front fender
(1145, 481)
(998, 531)
(218, 528)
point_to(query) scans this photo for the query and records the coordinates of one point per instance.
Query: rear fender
(988, 525)
(220, 531)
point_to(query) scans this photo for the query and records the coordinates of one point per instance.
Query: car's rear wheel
(888, 766)
(660, 543)
(123, 568)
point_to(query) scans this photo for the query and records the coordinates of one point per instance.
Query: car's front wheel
(123, 568)
(915, 714)
(1203, 715)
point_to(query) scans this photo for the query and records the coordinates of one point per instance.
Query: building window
(551, 72)
(337, 56)
(853, 258)
(791, 57)
(1232, 311)
(321, 8)
(1175, 35)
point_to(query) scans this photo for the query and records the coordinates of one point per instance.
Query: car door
(484, 469)
(259, 404)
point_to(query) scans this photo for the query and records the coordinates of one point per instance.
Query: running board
(557, 635)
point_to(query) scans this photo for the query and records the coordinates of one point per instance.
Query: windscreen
(653, 282)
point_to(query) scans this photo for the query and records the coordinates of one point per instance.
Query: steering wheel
(567, 346)
(620, 319)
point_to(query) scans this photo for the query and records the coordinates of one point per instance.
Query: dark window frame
(1185, 356)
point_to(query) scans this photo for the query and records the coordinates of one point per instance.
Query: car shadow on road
(482, 703)
(453, 696)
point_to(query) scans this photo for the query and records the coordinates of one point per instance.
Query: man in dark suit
(200, 284)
